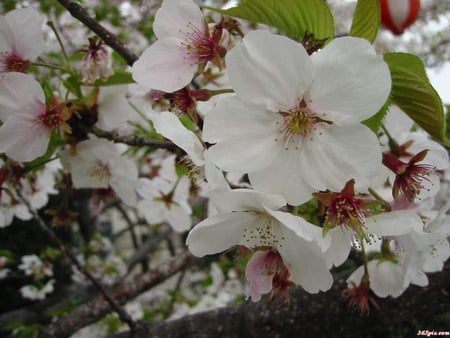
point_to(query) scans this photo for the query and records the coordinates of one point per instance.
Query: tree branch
(309, 315)
(132, 140)
(123, 315)
(96, 309)
(109, 38)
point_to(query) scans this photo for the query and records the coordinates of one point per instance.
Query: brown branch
(143, 250)
(307, 315)
(132, 140)
(123, 315)
(109, 38)
(96, 309)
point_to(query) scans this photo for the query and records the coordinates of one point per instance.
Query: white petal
(22, 139)
(164, 66)
(393, 223)
(154, 212)
(113, 108)
(339, 247)
(298, 225)
(125, 188)
(245, 200)
(170, 126)
(245, 135)
(351, 82)
(284, 177)
(306, 264)
(20, 94)
(178, 218)
(338, 154)
(26, 25)
(176, 17)
(6, 36)
(397, 123)
(269, 69)
(214, 176)
(386, 278)
(218, 233)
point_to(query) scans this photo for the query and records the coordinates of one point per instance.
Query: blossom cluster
(265, 129)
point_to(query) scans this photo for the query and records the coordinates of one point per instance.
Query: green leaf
(293, 17)
(73, 85)
(366, 20)
(120, 77)
(55, 142)
(413, 93)
(374, 122)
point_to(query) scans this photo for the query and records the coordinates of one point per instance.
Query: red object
(397, 15)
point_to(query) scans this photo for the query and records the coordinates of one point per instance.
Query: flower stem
(220, 91)
(49, 65)
(386, 204)
(60, 42)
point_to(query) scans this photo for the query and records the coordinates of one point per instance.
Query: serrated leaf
(118, 78)
(366, 20)
(293, 17)
(374, 122)
(413, 93)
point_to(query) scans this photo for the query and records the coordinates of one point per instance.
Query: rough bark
(324, 315)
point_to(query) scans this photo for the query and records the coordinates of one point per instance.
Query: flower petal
(164, 66)
(269, 69)
(176, 17)
(26, 25)
(22, 139)
(334, 155)
(245, 200)
(283, 177)
(20, 94)
(178, 218)
(351, 82)
(306, 264)
(245, 135)
(394, 223)
(170, 126)
(218, 233)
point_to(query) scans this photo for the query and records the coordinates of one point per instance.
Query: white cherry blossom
(251, 219)
(184, 42)
(294, 123)
(165, 202)
(27, 121)
(98, 163)
(21, 39)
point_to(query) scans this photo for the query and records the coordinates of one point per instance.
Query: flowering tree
(293, 155)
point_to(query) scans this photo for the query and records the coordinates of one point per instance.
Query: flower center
(346, 211)
(100, 171)
(201, 46)
(51, 118)
(11, 62)
(298, 123)
(262, 233)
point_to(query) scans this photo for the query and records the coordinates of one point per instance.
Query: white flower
(168, 125)
(184, 42)
(294, 124)
(387, 224)
(97, 63)
(165, 202)
(32, 265)
(386, 278)
(27, 122)
(99, 164)
(34, 293)
(251, 219)
(114, 109)
(21, 39)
